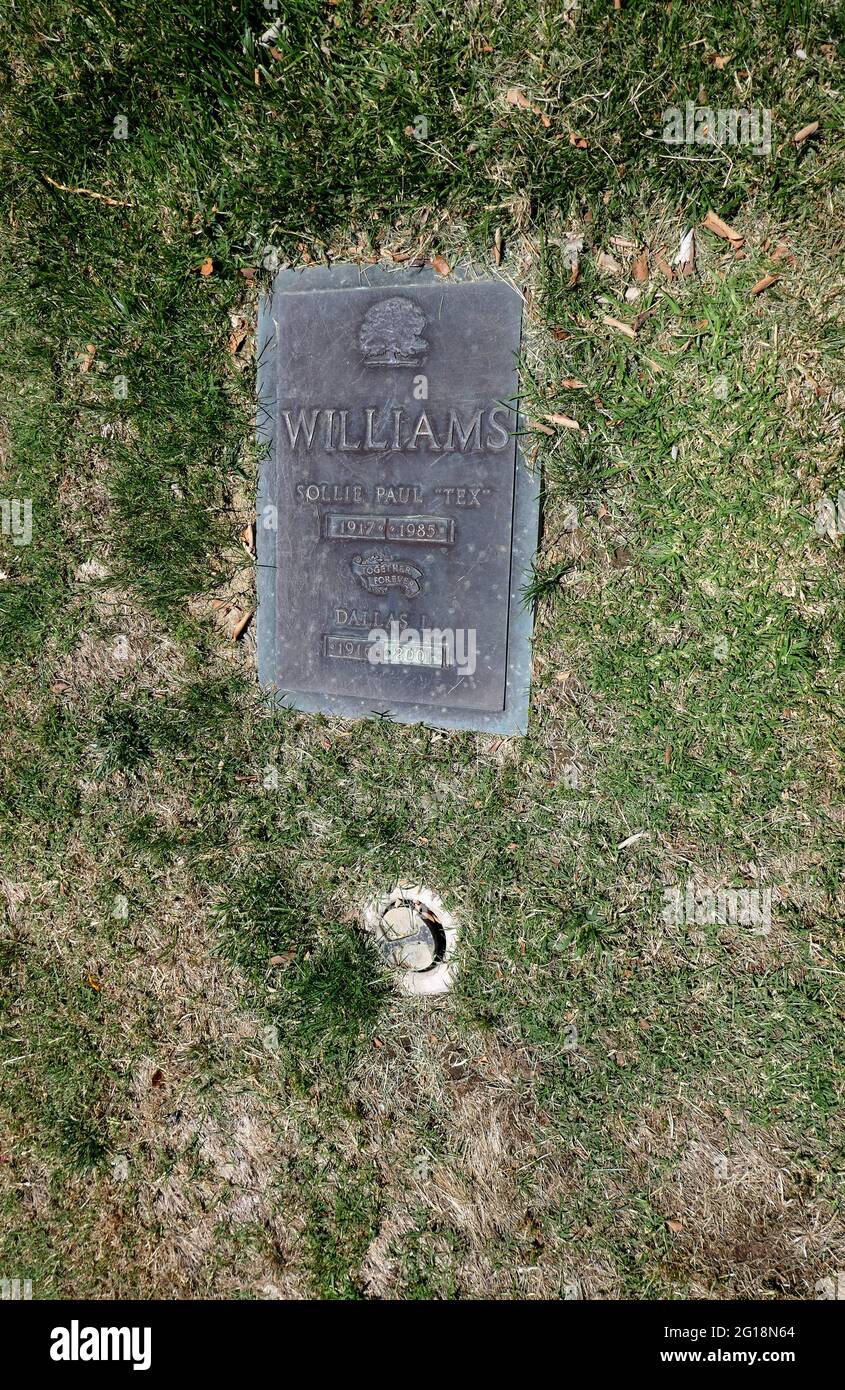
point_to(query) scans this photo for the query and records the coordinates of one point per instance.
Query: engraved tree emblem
(390, 333)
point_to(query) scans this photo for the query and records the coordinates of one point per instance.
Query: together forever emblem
(379, 571)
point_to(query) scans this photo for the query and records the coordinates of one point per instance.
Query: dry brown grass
(742, 1221)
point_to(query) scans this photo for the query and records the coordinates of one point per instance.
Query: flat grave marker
(397, 520)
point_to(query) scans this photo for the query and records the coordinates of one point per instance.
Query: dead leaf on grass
(764, 284)
(685, 259)
(514, 96)
(619, 326)
(639, 269)
(86, 358)
(805, 132)
(239, 333)
(715, 224)
(241, 626)
(607, 263)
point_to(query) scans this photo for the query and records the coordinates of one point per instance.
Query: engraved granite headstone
(396, 518)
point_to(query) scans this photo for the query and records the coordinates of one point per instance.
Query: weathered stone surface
(396, 520)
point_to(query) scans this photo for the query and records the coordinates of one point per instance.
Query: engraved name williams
(378, 431)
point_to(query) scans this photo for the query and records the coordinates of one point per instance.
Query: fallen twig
(87, 192)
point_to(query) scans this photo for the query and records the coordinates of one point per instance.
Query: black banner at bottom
(82, 1341)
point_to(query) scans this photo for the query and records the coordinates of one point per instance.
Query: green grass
(167, 836)
(331, 992)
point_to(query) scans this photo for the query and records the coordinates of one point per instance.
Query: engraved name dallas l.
(395, 430)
